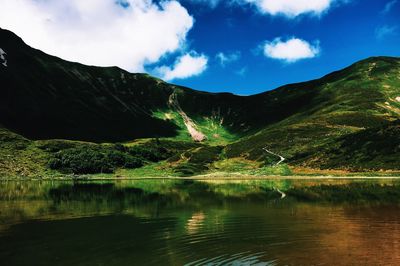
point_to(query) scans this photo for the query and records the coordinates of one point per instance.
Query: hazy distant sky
(240, 46)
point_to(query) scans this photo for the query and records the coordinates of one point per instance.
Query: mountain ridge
(45, 97)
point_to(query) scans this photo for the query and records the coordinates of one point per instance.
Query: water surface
(177, 222)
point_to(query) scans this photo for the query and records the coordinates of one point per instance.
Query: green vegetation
(211, 127)
(370, 149)
(20, 157)
(346, 121)
(197, 160)
(88, 158)
(93, 159)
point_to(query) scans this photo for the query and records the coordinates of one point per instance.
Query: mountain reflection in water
(177, 222)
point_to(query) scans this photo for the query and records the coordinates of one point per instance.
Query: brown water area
(175, 222)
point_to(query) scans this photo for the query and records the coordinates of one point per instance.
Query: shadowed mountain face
(46, 97)
(309, 123)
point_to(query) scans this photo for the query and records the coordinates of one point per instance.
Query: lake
(186, 222)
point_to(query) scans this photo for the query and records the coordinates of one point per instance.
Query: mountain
(359, 102)
(346, 120)
(45, 97)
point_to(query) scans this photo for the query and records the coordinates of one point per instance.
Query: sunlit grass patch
(160, 169)
(212, 127)
(235, 165)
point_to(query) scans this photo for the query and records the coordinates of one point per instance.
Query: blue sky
(346, 33)
(238, 46)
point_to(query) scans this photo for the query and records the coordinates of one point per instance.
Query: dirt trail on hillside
(190, 125)
(281, 158)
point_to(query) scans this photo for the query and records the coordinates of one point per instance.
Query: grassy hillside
(360, 102)
(59, 99)
(347, 120)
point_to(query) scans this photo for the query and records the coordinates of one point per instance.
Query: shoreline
(233, 177)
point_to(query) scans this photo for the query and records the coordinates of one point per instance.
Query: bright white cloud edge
(100, 32)
(188, 65)
(288, 8)
(291, 50)
(291, 8)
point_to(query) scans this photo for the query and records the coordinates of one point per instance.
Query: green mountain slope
(362, 97)
(46, 97)
(345, 120)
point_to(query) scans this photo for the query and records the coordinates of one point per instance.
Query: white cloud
(385, 30)
(126, 33)
(291, 8)
(290, 51)
(288, 8)
(389, 6)
(225, 59)
(188, 65)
